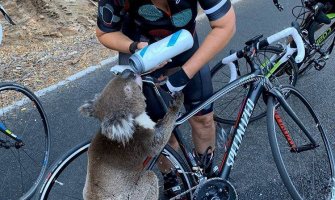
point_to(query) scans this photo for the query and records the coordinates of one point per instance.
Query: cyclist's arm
(114, 40)
(109, 22)
(222, 31)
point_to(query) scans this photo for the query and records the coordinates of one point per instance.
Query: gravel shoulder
(51, 41)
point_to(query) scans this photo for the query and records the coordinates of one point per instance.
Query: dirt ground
(52, 39)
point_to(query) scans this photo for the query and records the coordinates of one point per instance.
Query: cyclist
(129, 25)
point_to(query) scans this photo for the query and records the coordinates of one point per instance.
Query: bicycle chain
(183, 193)
(189, 190)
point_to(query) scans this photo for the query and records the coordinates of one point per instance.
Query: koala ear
(88, 108)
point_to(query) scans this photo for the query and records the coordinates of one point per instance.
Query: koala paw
(178, 100)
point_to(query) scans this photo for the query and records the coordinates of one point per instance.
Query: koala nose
(127, 73)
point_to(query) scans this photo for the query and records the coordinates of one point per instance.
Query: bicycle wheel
(226, 109)
(23, 162)
(305, 166)
(66, 179)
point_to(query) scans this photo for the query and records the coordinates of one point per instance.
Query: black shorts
(199, 88)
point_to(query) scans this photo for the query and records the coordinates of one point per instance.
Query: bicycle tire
(308, 173)
(18, 107)
(230, 102)
(54, 186)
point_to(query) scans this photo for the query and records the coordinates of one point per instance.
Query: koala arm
(165, 126)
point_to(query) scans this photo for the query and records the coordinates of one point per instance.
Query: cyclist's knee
(202, 121)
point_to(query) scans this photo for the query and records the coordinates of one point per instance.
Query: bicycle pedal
(320, 64)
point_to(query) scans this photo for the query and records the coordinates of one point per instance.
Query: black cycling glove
(175, 82)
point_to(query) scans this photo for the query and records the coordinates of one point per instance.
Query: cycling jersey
(154, 21)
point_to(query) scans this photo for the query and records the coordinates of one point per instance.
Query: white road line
(93, 68)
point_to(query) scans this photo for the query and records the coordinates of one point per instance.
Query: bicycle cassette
(215, 189)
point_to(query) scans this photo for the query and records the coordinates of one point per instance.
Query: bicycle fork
(293, 147)
(305, 147)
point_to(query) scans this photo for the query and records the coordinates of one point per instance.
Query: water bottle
(152, 55)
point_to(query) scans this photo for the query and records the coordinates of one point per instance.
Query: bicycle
(277, 65)
(317, 25)
(24, 138)
(193, 180)
(317, 30)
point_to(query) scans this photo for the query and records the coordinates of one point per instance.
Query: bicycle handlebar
(271, 39)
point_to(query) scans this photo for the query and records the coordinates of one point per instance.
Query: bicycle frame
(324, 36)
(9, 133)
(259, 84)
(327, 32)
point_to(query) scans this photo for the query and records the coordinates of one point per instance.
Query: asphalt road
(255, 175)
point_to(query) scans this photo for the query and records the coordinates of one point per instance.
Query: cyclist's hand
(141, 45)
(175, 82)
(162, 64)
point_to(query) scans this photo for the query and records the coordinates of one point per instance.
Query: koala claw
(178, 100)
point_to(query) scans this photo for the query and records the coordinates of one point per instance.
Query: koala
(126, 138)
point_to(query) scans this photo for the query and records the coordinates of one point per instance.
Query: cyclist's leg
(203, 127)
(198, 90)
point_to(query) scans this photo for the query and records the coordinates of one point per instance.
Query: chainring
(215, 189)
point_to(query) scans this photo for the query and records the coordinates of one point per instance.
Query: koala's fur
(126, 138)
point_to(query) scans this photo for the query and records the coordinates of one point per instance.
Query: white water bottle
(154, 54)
